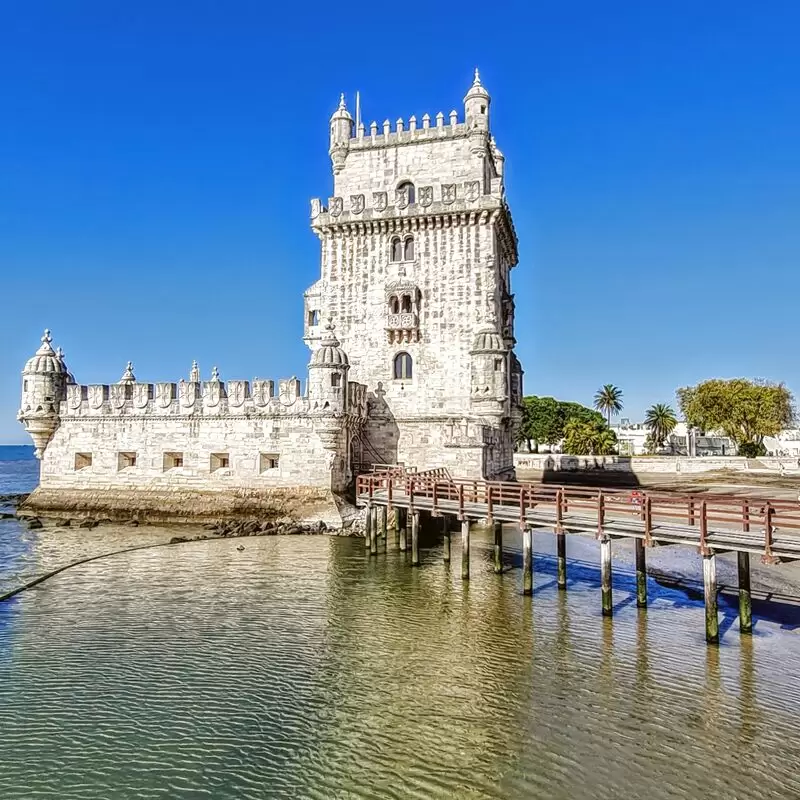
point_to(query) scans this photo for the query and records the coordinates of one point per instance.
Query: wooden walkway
(710, 523)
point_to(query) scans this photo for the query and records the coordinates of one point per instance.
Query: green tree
(589, 438)
(660, 421)
(608, 400)
(746, 411)
(544, 419)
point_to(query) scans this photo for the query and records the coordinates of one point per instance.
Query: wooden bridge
(710, 523)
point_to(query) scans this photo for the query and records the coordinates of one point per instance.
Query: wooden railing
(751, 517)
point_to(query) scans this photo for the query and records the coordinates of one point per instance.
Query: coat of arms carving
(336, 206)
(380, 201)
(356, 203)
(426, 195)
(96, 395)
(141, 395)
(74, 397)
(472, 190)
(117, 394)
(448, 192)
(164, 394)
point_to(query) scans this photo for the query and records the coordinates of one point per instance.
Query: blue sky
(157, 159)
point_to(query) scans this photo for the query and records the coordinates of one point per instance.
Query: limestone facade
(410, 326)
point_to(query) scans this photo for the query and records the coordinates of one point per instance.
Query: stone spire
(476, 105)
(341, 132)
(214, 374)
(128, 376)
(194, 373)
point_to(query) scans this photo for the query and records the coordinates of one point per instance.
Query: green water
(302, 668)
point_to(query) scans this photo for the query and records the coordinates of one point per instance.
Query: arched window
(336, 380)
(408, 249)
(409, 189)
(397, 249)
(406, 304)
(402, 366)
(394, 305)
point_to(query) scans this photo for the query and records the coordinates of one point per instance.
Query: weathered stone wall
(650, 464)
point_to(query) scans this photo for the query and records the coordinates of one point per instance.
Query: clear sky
(157, 159)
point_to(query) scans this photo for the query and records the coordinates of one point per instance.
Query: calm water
(301, 668)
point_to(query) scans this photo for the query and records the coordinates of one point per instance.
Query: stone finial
(387, 126)
(412, 123)
(128, 376)
(399, 127)
(343, 107)
(373, 129)
(426, 121)
(46, 348)
(477, 81)
(439, 120)
(453, 117)
(194, 373)
(361, 130)
(214, 370)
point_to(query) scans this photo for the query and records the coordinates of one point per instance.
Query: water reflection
(303, 667)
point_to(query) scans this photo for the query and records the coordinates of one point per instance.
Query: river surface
(300, 667)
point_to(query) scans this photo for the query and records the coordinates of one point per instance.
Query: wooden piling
(446, 539)
(415, 539)
(368, 526)
(527, 560)
(373, 538)
(710, 592)
(745, 601)
(605, 576)
(396, 526)
(561, 549)
(641, 574)
(382, 521)
(498, 547)
(465, 549)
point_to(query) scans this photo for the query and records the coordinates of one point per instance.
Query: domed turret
(489, 373)
(476, 106)
(327, 374)
(44, 381)
(341, 133)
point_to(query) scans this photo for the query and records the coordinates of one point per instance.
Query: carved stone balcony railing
(402, 327)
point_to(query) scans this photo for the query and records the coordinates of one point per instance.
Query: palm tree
(660, 420)
(608, 401)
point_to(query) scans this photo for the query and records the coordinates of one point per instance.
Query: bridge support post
(373, 538)
(446, 538)
(498, 547)
(641, 574)
(605, 576)
(395, 527)
(403, 535)
(415, 539)
(527, 560)
(561, 548)
(368, 526)
(383, 513)
(710, 592)
(465, 549)
(745, 601)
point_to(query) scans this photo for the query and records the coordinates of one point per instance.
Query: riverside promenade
(768, 528)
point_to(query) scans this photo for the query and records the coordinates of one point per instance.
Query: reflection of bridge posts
(373, 538)
(402, 524)
(446, 538)
(368, 526)
(415, 539)
(641, 574)
(561, 559)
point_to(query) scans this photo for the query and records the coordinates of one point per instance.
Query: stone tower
(417, 250)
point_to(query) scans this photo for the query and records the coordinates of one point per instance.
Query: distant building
(632, 438)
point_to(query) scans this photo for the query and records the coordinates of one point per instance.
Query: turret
(327, 374)
(489, 373)
(44, 386)
(341, 133)
(476, 106)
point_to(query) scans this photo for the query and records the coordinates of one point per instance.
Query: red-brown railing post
(601, 513)
(768, 514)
(389, 484)
(703, 528)
(691, 510)
(559, 512)
(522, 507)
(461, 501)
(411, 495)
(371, 487)
(648, 520)
(489, 507)
(435, 509)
